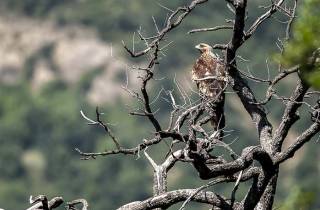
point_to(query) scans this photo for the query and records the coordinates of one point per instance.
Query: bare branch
(230, 168)
(151, 161)
(133, 151)
(210, 29)
(41, 202)
(71, 205)
(262, 18)
(300, 141)
(279, 77)
(292, 16)
(173, 197)
(290, 116)
(173, 21)
(198, 190)
(235, 188)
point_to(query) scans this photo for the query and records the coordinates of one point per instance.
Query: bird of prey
(209, 74)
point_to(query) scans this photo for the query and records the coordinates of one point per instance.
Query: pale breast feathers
(204, 66)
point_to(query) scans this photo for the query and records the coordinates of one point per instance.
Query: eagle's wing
(208, 66)
(211, 89)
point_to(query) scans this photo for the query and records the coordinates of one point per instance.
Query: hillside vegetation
(56, 61)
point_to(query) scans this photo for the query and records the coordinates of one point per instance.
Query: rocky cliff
(43, 51)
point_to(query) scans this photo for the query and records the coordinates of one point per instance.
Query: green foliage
(298, 199)
(39, 132)
(32, 7)
(44, 127)
(304, 48)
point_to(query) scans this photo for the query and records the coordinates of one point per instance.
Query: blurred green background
(59, 57)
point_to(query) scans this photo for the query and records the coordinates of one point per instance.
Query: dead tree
(41, 202)
(187, 120)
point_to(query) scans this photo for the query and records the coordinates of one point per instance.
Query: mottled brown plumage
(209, 72)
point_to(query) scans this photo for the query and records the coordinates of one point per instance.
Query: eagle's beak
(197, 47)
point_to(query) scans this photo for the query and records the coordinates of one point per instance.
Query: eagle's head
(204, 48)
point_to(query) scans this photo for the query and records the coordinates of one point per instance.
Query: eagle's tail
(217, 121)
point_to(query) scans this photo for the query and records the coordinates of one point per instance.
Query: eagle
(209, 74)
